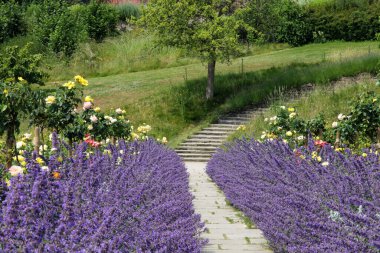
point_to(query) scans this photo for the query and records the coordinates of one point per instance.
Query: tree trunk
(9, 145)
(36, 140)
(210, 80)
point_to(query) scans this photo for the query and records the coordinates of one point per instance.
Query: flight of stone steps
(200, 146)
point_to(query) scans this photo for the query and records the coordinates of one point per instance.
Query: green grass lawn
(161, 98)
(132, 87)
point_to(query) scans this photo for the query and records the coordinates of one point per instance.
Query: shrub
(349, 24)
(136, 199)
(301, 204)
(11, 20)
(101, 20)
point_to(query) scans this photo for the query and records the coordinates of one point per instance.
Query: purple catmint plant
(134, 199)
(301, 204)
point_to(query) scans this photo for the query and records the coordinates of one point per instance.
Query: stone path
(226, 229)
(200, 146)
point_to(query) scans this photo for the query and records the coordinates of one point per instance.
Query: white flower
(283, 107)
(27, 136)
(108, 140)
(45, 168)
(94, 119)
(300, 138)
(292, 115)
(20, 144)
(44, 147)
(325, 164)
(335, 216)
(263, 136)
(334, 124)
(112, 120)
(119, 111)
(164, 140)
(15, 170)
(341, 116)
(90, 127)
(53, 149)
(121, 151)
(273, 118)
(266, 120)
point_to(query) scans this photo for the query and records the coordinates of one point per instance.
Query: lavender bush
(304, 202)
(133, 198)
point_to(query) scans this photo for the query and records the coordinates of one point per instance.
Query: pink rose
(87, 105)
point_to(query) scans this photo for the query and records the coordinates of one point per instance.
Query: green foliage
(101, 20)
(69, 31)
(18, 62)
(363, 120)
(349, 24)
(208, 29)
(279, 21)
(11, 20)
(128, 11)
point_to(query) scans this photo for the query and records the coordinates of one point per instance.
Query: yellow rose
(81, 80)
(97, 109)
(291, 109)
(289, 133)
(39, 160)
(88, 99)
(50, 100)
(5, 92)
(69, 85)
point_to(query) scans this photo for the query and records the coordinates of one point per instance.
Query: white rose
(20, 144)
(15, 170)
(334, 124)
(283, 107)
(119, 111)
(341, 116)
(90, 127)
(94, 119)
(300, 138)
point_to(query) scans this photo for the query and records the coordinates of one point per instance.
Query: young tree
(208, 28)
(18, 70)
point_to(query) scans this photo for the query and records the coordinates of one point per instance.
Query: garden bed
(312, 199)
(132, 198)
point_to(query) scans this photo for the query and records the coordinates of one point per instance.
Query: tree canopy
(206, 28)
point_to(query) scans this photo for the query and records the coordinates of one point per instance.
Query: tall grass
(129, 52)
(328, 100)
(128, 11)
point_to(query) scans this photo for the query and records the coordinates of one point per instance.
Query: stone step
(208, 136)
(233, 122)
(205, 140)
(236, 118)
(220, 128)
(200, 144)
(194, 151)
(196, 155)
(212, 132)
(223, 125)
(204, 148)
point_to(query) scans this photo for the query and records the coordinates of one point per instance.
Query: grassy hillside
(330, 100)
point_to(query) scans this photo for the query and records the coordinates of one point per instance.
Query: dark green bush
(352, 24)
(69, 31)
(101, 20)
(279, 21)
(11, 20)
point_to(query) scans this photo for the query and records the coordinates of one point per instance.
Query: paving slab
(225, 229)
